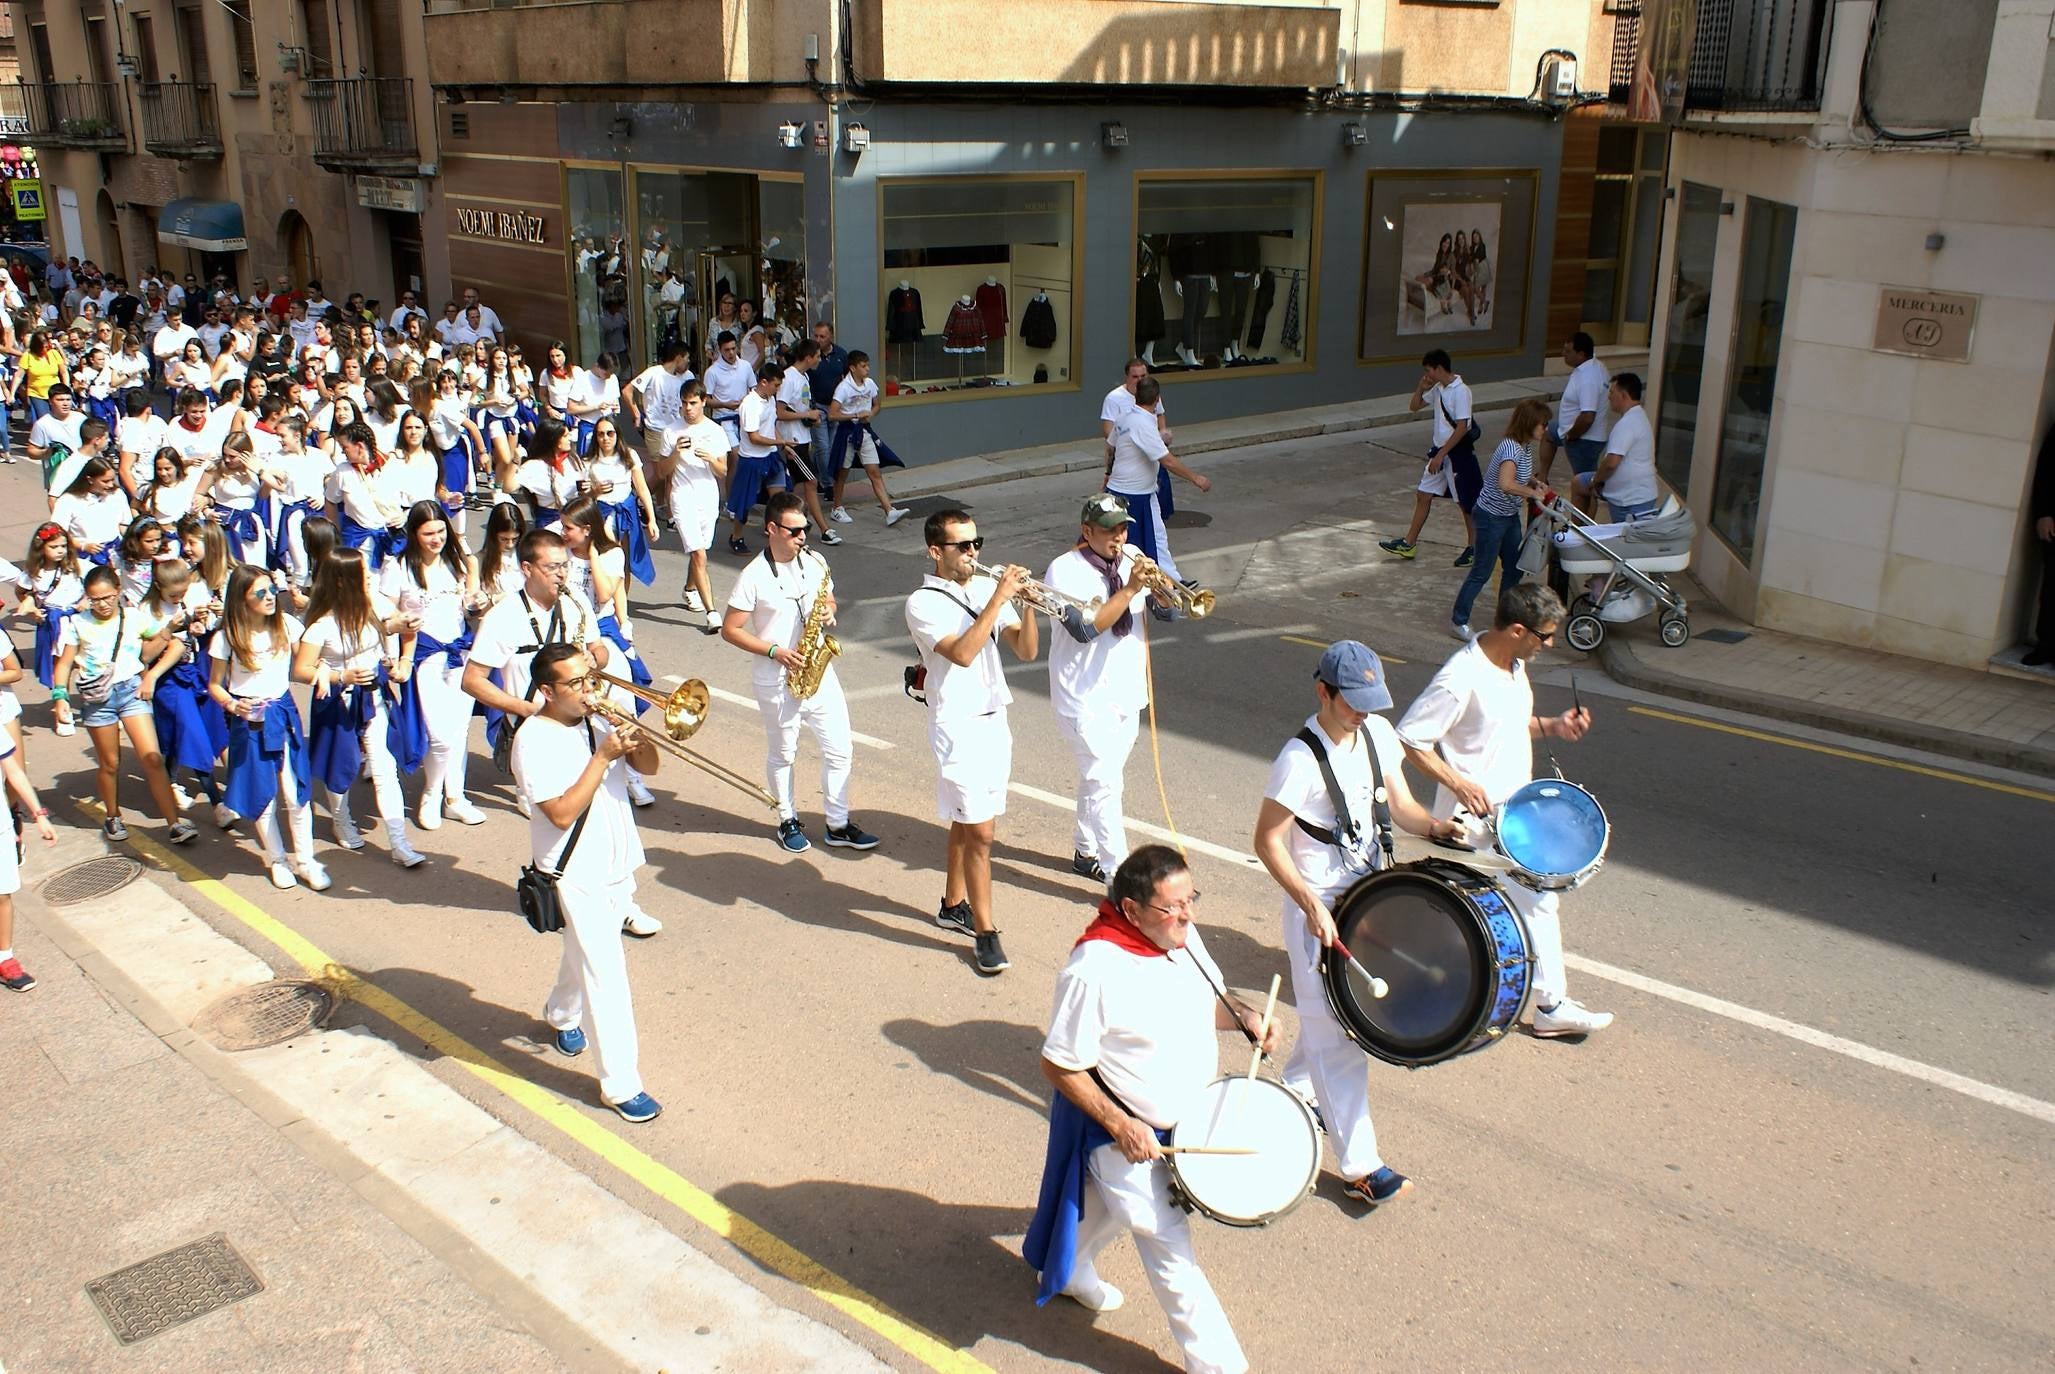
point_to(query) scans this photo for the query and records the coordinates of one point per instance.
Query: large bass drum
(1450, 948)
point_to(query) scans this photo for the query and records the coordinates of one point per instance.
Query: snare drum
(1555, 834)
(1246, 1113)
(1452, 951)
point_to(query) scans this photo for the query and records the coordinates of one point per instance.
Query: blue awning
(212, 226)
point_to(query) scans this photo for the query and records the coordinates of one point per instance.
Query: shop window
(1752, 375)
(598, 245)
(698, 248)
(1224, 272)
(976, 283)
(1698, 230)
(781, 229)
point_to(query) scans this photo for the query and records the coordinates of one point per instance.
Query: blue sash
(378, 544)
(493, 715)
(1051, 1243)
(627, 524)
(583, 430)
(455, 651)
(257, 750)
(1163, 497)
(336, 725)
(192, 729)
(104, 557)
(283, 532)
(47, 631)
(106, 411)
(638, 672)
(1141, 507)
(847, 434)
(746, 482)
(245, 532)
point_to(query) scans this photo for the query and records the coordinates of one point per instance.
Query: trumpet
(684, 710)
(1040, 596)
(1195, 602)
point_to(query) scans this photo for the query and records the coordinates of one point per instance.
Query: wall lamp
(1113, 135)
(1354, 136)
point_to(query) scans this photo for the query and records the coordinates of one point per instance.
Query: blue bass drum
(1452, 952)
(1554, 833)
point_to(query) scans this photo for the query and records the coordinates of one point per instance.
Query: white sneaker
(521, 805)
(841, 517)
(65, 727)
(894, 516)
(346, 833)
(182, 797)
(642, 925)
(1095, 1295)
(1569, 1018)
(639, 793)
(281, 876)
(428, 815)
(692, 601)
(312, 874)
(224, 816)
(460, 810)
(403, 853)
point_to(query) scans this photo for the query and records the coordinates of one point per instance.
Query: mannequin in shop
(1038, 322)
(963, 333)
(904, 326)
(1196, 290)
(1149, 322)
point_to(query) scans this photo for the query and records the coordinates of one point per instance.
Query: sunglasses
(965, 545)
(264, 592)
(796, 531)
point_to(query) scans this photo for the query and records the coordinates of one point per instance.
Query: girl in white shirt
(499, 565)
(192, 369)
(229, 490)
(555, 383)
(456, 438)
(388, 408)
(93, 512)
(598, 572)
(131, 366)
(251, 680)
(436, 583)
(360, 504)
(143, 544)
(411, 473)
(350, 654)
(302, 476)
(614, 473)
(552, 477)
(52, 585)
(191, 726)
(102, 679)
(168, 495)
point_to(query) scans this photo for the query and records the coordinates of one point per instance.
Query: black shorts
(800, 467)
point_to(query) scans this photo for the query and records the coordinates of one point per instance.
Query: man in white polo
(1626, 475)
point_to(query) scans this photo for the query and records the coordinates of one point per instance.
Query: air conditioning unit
(1559, 80)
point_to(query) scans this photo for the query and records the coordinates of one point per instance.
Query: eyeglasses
(964, 545)
(105, 600)
(589, 682)
(1188, 907)
(562, 566)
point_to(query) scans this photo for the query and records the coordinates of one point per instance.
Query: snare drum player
(1099, 677)
(1132, 1039)
(1472, 731)
(956, 618)
(1316, 855)
(567, 763)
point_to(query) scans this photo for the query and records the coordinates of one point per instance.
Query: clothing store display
(1266, 295)
(1198, 293)
(1038, 322)
(1236, 290)
(1149, 322)
(1289, 339)
(991, 303)
(964, 331)
(904, 322)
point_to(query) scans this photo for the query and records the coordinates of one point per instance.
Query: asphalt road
(1690, 1186)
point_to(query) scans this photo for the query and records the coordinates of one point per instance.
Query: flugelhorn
(1040, 596)
(1195, 602)
(684, 711)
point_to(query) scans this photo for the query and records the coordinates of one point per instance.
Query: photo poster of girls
(1448, 252)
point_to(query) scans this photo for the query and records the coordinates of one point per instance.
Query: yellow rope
(1155, 752)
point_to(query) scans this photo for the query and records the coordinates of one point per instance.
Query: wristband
(770, 651)
(60, 694)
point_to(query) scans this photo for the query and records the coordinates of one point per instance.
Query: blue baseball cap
(1353, 670)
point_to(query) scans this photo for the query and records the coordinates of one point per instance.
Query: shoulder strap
(1346, 831)
(1380, 800)
(577, 827)
(953, 597)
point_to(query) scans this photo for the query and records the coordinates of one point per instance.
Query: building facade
(1856, 304)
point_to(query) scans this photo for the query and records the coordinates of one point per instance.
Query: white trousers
(447, 711)
(1136, 1198)
(384, 769)
(1101, 742)
(1163, 556)
(1538, 910)
(592, 983)
(1325, 1063)
(298, 815)
(826, 717)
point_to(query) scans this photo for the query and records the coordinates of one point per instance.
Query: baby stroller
(1631, 559)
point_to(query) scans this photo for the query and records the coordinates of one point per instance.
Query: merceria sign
(511, 226)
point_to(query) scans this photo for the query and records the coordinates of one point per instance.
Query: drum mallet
(1263, 1027)
(1377, 985)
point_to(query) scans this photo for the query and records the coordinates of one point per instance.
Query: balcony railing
(1626, 39)
(179, 119)
(364, 123)
(1759, 55)
(74, 114)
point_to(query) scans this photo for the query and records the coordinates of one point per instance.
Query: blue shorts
(124, 701)
(1584, 453)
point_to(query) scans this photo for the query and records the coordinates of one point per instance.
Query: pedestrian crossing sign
(28, 198)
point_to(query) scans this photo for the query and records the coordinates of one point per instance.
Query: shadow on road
(995, 1057)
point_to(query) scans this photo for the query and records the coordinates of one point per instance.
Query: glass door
(728, 278)
(1626, 229)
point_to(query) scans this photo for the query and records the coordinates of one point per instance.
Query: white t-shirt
(1120, 402)
(1586, 390)
(403, 481)
(552, 490)
(659, 390)
(306, 474)
(362, 498)
(1108, 674)
(857, 401)
(941, 610)
(341, 651)
(728, 383)
(142, 435)
(777, 597)
(1478, 716)
(549, 758)
(590, 389)
(1296, 784)
(172, 503)
(272, 676)
(440, 603)
(1634, 479)
(1446, 402)
(758, 417)
(98, 646)
(51, 432)
(446, 422)
(1145, 1023)
(1138, 451)
(611, 481)
(513, 630)
(92, 519)
(170, 341)
(202, 445)
(795, 393)
(696, 445)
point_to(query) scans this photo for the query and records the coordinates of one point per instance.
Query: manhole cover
(171, 1289)
(89, 880)
(267, 1014)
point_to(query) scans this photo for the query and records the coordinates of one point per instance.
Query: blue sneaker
(1386, 1185)
(792, 837)
(570, 1043)
(850, 836)
(638, 1109)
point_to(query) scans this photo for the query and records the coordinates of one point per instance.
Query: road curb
(1625, 667)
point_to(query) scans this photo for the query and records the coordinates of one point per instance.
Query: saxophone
(816, 648)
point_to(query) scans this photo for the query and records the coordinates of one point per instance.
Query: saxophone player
(776, 597)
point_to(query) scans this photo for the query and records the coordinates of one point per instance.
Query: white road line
(1152, 831)
(1261, 632)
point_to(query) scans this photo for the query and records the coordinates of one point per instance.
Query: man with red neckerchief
(1131, 1041)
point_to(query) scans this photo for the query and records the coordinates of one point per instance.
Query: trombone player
(778, 614)
(567, 761)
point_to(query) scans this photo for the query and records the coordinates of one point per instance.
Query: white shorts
(973, 763)
(1442, 483)
(696, 511)
(10, 706)
(866, 450)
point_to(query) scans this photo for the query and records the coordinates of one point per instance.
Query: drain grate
(90, 880)
(173, 1288)
(267, 1014)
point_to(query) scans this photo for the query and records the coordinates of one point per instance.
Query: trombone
(1196, 602)
(684, 710)
(1040, 596)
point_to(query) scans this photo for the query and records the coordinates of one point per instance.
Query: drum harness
(1348, 835)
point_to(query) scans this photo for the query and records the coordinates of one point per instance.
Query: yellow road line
(1945, 775)
(760, 1245)
(1322, 643)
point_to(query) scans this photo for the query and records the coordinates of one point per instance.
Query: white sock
(5, 955)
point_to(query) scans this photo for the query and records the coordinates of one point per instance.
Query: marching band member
(773, 599)
(1139, 457)
(597, 572)
(267, 754)
(435, 581)
(955, 616)
(1132, 1038)
(1472, 731)
(699, 452)
(614, 477)
(581, 827)
(108, 665)
(1315, 855)
(356, 712)
(1098, 677)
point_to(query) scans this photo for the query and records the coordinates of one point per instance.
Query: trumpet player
(1098, 676)
(567, 760)
(1139, 457)
(956, 616)
(775, 598)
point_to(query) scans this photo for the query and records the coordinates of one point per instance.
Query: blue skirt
(192, 729)
(626, 517)
(257, 750)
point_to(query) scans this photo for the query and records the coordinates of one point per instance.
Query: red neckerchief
(190, 428)
(1113, 926)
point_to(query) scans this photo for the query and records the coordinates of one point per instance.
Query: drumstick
(1378, 987)
(1263, 1027)
(1202, 1150)
(1435, 972)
